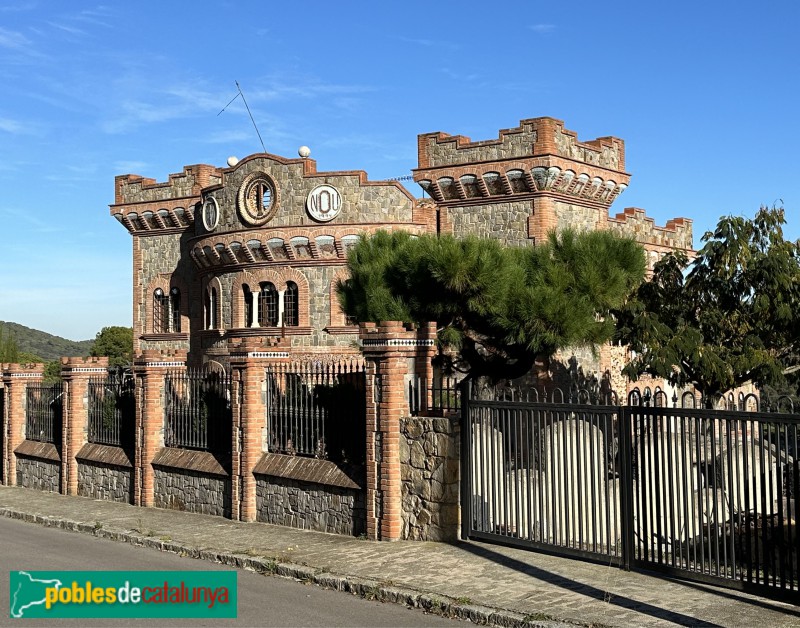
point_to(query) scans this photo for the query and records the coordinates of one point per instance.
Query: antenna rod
(251, 116)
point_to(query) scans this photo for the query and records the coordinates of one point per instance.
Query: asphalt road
(263, 600)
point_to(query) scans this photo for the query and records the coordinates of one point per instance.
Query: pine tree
(497, 308)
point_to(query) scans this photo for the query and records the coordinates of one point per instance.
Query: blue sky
(703, 93)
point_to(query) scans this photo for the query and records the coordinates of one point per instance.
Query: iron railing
(440, 396)
(317, 409)
(701, 493)
(714, 491)
(112, 407)
(197, 409)
(542, 474)
(44, 411)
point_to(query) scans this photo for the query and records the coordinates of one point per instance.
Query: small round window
(210, 213)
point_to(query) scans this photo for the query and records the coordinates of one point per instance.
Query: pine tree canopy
(497, 308)
(725, 318)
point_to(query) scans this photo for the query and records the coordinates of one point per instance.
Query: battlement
(133, 188)
(676, 234)
(534, 137)
(85, 361)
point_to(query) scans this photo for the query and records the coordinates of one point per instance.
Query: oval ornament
(324, 203)
(257, 199)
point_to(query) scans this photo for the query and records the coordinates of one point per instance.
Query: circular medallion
(324, 203)
(210, 213)
(257, 199)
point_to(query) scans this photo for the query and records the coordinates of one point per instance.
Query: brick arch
(237, 295)
(213, 282)
(166, 281)
(292, 274)
(337, 317)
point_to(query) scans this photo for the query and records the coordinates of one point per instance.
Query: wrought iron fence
(112, 407)
(197, 409)
(542, 470)
(445, 396)
(318, 409)
(714, 490)
(44, 411)
(699, 488)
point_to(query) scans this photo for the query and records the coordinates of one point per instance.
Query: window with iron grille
(160, 312)
(268, 305)
(290, 305)
(248, 305)
(175, 310)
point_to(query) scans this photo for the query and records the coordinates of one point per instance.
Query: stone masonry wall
(111, 483)
(191, 491)
(44, 475)
(310, 506)
(429, 468)
(506, 222)
(577, 217)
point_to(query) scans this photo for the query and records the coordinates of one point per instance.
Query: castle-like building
(256, 248)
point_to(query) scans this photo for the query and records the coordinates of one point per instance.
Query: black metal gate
(703, 494)
(43, 413)
(112, 410)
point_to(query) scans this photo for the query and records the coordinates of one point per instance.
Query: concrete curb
(366, 588)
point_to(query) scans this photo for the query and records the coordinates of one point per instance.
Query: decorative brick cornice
(260, 354)
(397, 342)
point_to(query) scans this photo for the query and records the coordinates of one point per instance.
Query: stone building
(255, 249)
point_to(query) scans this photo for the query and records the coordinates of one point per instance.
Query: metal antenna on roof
(244, 100)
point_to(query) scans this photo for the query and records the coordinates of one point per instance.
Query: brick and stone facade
(214, 247)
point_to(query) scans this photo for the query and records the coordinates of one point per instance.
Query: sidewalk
(487, 583)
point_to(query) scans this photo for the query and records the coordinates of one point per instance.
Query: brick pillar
(75, 373)
(16, 378)
(389, 349)
(423, 362)
(150, 368)
(249, 361)
(543, 219)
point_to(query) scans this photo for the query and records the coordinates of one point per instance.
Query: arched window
(166, 311)
(175, 310)
(248, 305)
(268, 305)
(160, 312)
(211, 308)
(290, 306)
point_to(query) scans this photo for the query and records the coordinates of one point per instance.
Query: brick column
(249, 361)
(75, 373)
(150, 368)
(423, 362)
(16, 378)
(389, 348)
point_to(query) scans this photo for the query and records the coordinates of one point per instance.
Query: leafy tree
(725, 318)
(9, 348)
(116, 343)
(497, 308)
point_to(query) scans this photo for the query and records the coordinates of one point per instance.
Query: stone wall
(429, 469)
(44, 475)
(194, 481)
(310, 494)
(577, 217)
(506, 222)
(309, 506)
(192, 491)
(98, 481)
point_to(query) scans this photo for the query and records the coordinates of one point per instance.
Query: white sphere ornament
(232, 161)
(304, 151)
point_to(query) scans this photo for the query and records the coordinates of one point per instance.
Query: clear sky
(703, 93)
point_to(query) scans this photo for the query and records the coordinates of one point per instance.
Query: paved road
(263, 600)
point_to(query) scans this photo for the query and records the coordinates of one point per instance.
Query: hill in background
(46, 346)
